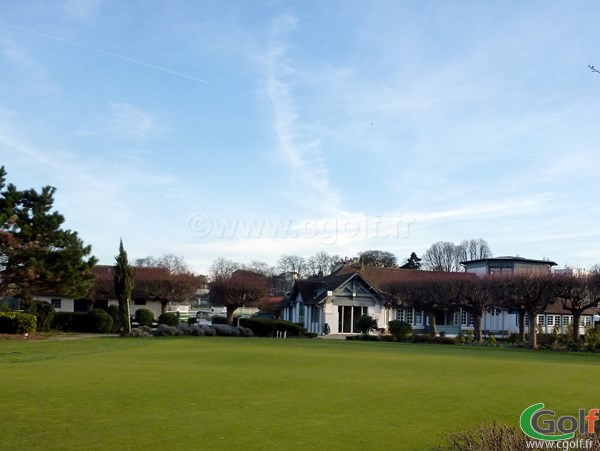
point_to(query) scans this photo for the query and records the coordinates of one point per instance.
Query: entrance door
(348, 317)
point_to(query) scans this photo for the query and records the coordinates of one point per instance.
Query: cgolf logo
(542, 424)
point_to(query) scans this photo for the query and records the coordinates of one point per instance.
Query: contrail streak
(104, 52)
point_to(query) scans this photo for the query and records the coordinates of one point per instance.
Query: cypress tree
(123, 276)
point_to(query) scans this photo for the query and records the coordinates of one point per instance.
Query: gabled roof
(314, 291)
(380, 278)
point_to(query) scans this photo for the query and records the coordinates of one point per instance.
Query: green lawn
(263, 394)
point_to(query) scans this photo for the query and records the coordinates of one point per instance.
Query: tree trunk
(477, 326)
(163, 307)
(576, 316)
(532, 330)
(230, 311)
(432, 328)
(521, 325)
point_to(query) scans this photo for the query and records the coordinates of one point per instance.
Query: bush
(197, 331)
(63, 321)
(219, 320)
(223, 330)
(17, 323)
(170, 319)
(209, 331)
(496, 436)
(265, 327)
(143, 331)
(144, 317)
(366, 324)
(400, 330)
(43, 311)
(113, 311)
(99, 321)
(164, 330)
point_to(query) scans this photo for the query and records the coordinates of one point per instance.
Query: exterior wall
(480, 270)
(66, 304)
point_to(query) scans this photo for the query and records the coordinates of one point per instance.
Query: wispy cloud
(131, 122)
(301, 152)
(81, 9)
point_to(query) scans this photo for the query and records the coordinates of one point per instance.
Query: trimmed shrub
(144, 317)
(223, 330)
(113, 311)
(197, 331)
(63, 321)
(219, 320)
(143, 331)
(43, 311)
(169, 319)
(17, 323)
(99, 321)
(164, 330)
(265, 327)
(209, 331)
(400, 330)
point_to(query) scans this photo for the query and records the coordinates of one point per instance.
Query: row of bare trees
(446, 256)
(526, 294)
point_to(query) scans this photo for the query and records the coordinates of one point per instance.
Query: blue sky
(248, 130)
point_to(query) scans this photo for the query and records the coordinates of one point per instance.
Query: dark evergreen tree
(412, 262)
(123, 276)
(36, 254)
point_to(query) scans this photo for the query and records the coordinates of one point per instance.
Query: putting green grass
(267, 394)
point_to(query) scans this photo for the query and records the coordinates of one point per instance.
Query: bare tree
(260, 268)
(577, 294)
(475, 249)
(293, 264)
(380, 259)
(446, 256)
(223, 268)
(321, 264)
(477, 297)
(174, 263)
(238, 289)
(443, 256)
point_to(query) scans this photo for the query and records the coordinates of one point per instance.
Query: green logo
(539, 423)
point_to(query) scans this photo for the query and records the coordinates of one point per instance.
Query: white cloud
(309, 175)
(131, 122)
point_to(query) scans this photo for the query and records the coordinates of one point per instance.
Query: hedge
(96, 321)
(43, 311)
(17, 323)
(266, 327)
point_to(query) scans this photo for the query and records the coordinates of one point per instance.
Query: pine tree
(36, 254)
(123, 276)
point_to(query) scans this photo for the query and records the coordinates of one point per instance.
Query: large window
(466, 319)
(419, 318)
(348, 317)
(56, 303)
(409, 315)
